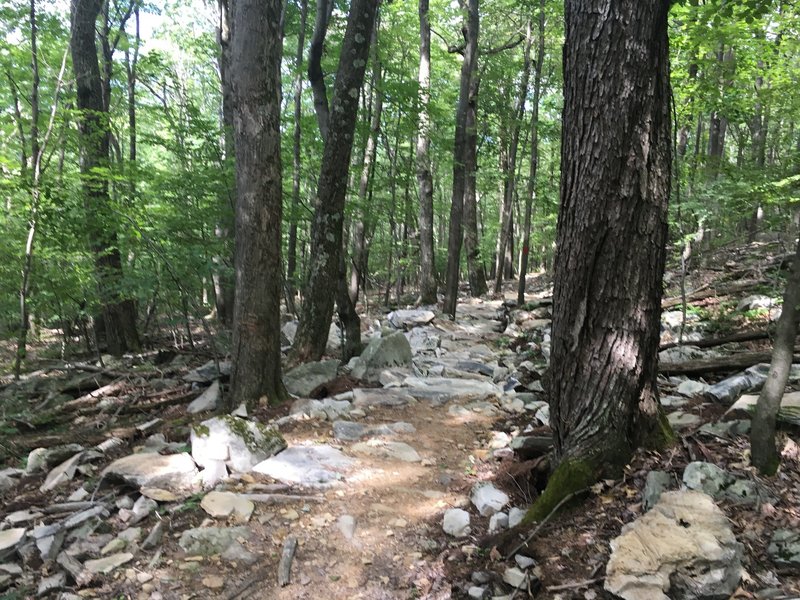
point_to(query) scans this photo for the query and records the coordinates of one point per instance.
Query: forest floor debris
(381, 492)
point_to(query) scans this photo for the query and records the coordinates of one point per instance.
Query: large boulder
(302, 380)
(408, 319)
(170, 471)
(392, 350)
(239, 443)
(682, 549)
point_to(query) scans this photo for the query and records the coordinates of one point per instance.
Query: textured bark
(427, 266)
(326, 228)
(119, 313)
(291, 260)
(470, 31)
(255, 55)
(315, 75)
(223, 276)
(530, 191)
(612, 231)
(765, 456)
(475, 270)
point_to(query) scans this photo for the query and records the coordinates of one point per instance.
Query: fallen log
(723, 364)
(744, 336)
(704, 292)
(287, 556)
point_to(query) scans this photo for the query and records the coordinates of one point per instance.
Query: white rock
(488, 499)
(515, 516)
(240, 443)
(171, 471)
(515, 577)
(456, 522)
(208, 400)
(9, 538)
(691, 388)
(62, 473)
(108, 563)
(347, 526)
(497, 522)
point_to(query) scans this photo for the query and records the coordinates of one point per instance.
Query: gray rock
(708, 478)
(10, 540)
(50, 546)
(371, 397)
(788, 412)
(673, 401)
(142, 508)
(6, 483)
(53, 583)
(456, 522)
(328, 409)
(347, 526)
(208, 372)
(63, 473)
(756, 301)
(691, 388)
(680, 354)
(215, 471)
(727, 429)
(515, 577)
(480, 577)
(387, 450)
(334, 343)
(784, 547)
(524, 562)
(408, 319)
(108, 563)
(497, 522)
(171, 471)
(208, 400)
(423, 339)
(349, 431)
(389, 351)
(304, 379)
(657, 483)
(42, 459)
(153, 538)
(312, 466)
(240, 443)
(222, 505)
(236, 553)
(478, 593)
(439, 390)
(207, 541)
(682, 548)
(515, 516)
(543, 415)
(488, 499)
(679, 420)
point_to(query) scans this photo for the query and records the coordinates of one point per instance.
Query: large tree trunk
(291, 260)
(611, 236)
(762, 437)
(326, 229)
(427, 265)
(255, 54)
(470, 31)
(119, 313)
(530, 191)
(475, 271)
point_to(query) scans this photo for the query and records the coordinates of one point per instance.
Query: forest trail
(467, 414)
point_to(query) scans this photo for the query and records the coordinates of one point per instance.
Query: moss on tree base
(570, 476)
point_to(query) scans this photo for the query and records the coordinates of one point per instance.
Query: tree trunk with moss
(762, 437)
(255, 56)
(611, 238)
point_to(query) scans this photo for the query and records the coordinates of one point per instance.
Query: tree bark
(255, 55)
(530, 192)
(765, 456)
(291, 260)
(119, 313)
(475, 271)
(315, 75)
(611, 238)
(326, 229)
(470, 31)
(427, 264)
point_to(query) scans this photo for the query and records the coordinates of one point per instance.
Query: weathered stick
(287, 556)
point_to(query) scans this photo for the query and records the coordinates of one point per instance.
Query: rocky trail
(387, 476)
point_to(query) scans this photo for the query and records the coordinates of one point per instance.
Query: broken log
(744, 336)
(723, 364)
(287, 556)
(702, 293)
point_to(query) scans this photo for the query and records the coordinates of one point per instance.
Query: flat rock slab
(208, 372)
(312, 466)
(207, 541)
(328, 409)
(381, 397)
(381, 353)
(387, 450)
(439, 390)
(9, 540)
(784, 547)
(682, 548)
(239, 443)
(171, 471)
(302, 380)
(108, 563)
(208, 400)
(62, 473)
(406, 319)
(350, 431)
(788, 412)
(222, 505)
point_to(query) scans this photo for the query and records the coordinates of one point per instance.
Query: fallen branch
(734, 362)
(287, 556)
(744, 336)
(705, 292)
(574, 585)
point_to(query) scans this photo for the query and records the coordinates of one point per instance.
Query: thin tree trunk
(765, 456)
(326, 230)
(530, 192)
(470, 31)
(427, 273)
(475, 272)
(255, 55)
(291, 261)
